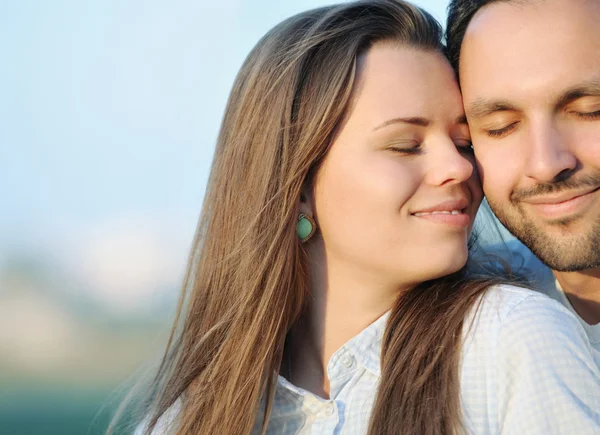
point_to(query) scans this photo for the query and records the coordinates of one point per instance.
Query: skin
(530, 77)
(403, 148)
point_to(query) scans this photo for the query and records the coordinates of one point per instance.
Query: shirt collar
(592, 331)
(366, 346)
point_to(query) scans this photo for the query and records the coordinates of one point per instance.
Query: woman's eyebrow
(414, 120)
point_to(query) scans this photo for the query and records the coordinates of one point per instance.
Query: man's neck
(583, 291)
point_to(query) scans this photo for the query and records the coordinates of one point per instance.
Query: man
(530, 76)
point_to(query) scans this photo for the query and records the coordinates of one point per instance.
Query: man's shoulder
(507, 313)
(500, 303)
(519, 260)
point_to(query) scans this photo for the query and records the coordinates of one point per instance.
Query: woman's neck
(344, 301)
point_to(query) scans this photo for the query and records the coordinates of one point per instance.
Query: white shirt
(525, 263)
(526, 368)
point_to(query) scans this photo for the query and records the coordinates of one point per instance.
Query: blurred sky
(109, 111)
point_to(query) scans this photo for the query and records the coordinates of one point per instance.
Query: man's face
(530, 77)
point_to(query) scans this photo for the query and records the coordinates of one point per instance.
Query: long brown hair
(247, 281)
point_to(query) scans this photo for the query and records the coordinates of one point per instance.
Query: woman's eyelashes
(466, 151)
(406, 147)
(463, 146)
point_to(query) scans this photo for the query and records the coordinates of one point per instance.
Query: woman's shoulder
(165, 423)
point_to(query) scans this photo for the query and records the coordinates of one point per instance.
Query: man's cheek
(482, 166)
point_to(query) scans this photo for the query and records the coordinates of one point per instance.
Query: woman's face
(397, 194)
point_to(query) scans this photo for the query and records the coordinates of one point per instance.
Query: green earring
(305, 227)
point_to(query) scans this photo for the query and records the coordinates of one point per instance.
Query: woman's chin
(448, 265)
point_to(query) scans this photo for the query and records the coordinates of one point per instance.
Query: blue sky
(109, 111)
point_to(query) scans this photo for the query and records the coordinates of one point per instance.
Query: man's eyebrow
(416, 120)
(482, 107)
(587, 89)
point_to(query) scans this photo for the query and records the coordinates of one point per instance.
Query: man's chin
(570, 245)
(568, 265)
(563, 253)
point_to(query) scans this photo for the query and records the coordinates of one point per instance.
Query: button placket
(342, 363)
(347, 360)
(328, 410)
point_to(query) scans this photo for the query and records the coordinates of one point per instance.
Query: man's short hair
(460, 13)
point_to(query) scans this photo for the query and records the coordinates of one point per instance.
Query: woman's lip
(461, 220)
(447, 205)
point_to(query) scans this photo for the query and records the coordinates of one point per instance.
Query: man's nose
(549, 157)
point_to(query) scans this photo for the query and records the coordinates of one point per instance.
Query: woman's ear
(305, 205)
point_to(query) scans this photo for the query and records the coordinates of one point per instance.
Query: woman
(327, 291)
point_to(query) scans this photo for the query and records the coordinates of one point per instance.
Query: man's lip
(459, 204)
(560, 198)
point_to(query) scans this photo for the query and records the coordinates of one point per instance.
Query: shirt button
(327, 410)
(347, 361)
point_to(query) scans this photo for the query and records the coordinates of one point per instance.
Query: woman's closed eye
(464, 146)
(408, 147)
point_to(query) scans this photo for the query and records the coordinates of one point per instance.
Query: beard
(566, 245)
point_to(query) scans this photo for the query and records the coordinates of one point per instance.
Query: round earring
(305, 227)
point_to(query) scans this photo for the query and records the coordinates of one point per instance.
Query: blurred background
(109, 110)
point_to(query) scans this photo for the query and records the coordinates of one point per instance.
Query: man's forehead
(510, 11)
(500, 24)
(511, 50)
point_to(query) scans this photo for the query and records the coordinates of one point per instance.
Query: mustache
(571, 183)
